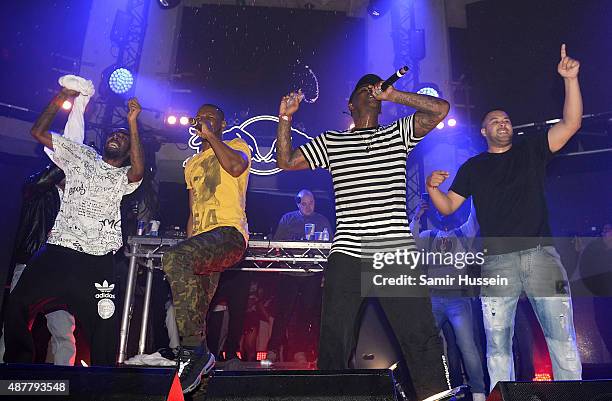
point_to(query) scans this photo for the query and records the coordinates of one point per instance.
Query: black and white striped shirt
(368, 169)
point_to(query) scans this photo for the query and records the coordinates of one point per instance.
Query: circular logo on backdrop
(259, 133)
(106, 308)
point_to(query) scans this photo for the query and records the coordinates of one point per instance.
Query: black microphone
(393, 78)
(194, 122)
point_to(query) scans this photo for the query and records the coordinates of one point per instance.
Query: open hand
(568, 67)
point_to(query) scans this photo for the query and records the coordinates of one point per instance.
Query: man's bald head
(305, 202)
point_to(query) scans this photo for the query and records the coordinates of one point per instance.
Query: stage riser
(374, 385)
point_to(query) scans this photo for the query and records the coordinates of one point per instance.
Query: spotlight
(67, 105)
(451, 122)
(440, 125)
(121, 81)
(184, 120)
(171, 120)
(378, 8)
(429, 89)
(168, 4)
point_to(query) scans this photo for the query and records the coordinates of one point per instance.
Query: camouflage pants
(193, 268)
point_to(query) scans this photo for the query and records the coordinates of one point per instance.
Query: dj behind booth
(295, 333)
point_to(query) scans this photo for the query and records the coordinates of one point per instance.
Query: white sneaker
(478, 397)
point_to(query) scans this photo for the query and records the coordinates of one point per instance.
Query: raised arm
(415, 226)
(136, 171)
(40, 129)
(445, 203)
(561, 132)
(288, 158)
(430, 111)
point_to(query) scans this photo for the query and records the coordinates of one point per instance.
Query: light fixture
(429, 89)
(121, 80)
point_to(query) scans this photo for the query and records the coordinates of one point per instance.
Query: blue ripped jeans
(538, 272)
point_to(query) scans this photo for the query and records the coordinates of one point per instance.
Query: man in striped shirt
(368, 168)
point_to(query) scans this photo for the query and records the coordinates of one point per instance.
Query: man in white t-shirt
(75, 269)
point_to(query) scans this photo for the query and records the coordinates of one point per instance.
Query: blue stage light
(121, 80)
(429, 89)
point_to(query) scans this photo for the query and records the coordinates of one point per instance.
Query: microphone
(393, 78)
(196, 123)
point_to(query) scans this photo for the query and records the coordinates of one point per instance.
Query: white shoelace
(182, 366)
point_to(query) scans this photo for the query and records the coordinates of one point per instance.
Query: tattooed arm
(288, 158)
(429, 110)
(40, 129)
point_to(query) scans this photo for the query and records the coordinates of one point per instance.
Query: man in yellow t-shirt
(217, 236)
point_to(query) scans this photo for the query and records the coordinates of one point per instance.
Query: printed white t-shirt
(89, 219)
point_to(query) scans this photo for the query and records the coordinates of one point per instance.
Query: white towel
(154, 359)
(75, 126)
(84, 86)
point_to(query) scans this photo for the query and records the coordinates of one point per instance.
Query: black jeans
(410, 318)
(62, 278)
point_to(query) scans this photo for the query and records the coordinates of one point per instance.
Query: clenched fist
(289, 104)
(436, 178)
(134, 109)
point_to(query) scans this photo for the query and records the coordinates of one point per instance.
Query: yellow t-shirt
(218, 198)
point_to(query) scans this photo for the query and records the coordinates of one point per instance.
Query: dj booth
(261, 256)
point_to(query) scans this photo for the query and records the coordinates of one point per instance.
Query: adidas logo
(105, 295)
(105, 287)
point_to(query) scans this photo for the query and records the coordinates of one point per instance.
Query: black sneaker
(169, 353)
(193, 363)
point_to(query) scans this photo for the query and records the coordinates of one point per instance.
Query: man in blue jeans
(452, 304)
(507, 186)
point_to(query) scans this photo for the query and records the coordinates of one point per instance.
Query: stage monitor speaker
(297, 385)
(98, 383)
(377, 346)
(596, 390)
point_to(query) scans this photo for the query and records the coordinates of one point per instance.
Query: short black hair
(484, 116)
(214, 106)
(368, 79)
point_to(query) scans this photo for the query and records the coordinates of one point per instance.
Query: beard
(114, 153)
